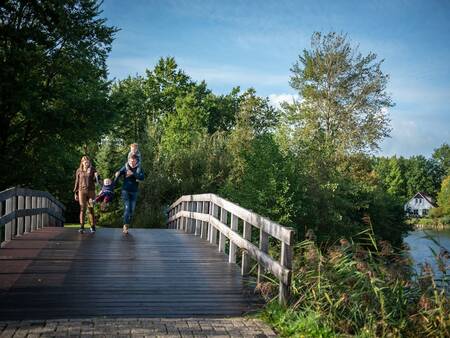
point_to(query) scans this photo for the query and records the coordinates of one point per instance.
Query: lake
(420, 245)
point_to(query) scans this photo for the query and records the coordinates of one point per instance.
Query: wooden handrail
(199, 214)
(27, 210)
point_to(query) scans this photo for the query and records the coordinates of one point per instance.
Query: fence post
(215, 212)
(245, 268)
(222, 237)
(14, 221)
(204, 225)
(264, 247)
(34, 217)
(20, 220)
(286, 261)
(183, 219)
(8, 226)
(234, 227)
(198, 222)
(45, 215)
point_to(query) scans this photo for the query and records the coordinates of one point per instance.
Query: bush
(436, 212)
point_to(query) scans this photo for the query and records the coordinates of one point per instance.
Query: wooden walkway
(58, 273)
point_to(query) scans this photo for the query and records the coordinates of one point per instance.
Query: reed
(361, 288)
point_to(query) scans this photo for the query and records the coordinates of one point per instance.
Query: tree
(443, 198)
(339, 119)
(422, 174)
(343, 100)
(442, 156)
(54, 88)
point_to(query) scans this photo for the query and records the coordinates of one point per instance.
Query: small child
(134, 150)
(106, 194)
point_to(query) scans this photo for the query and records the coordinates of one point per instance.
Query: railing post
(8, 226)
(210, 212)
(20, 220)
(198, 222)
(14, 221)
(264, 247)
(234, 227)
(45, 216)
(192, 220)
(39, 217)
(34, 217)
(286, 261)
(222, 237)
(204, 225)
(215, 213)
(183, 219)
(245, 268)
(27, 218)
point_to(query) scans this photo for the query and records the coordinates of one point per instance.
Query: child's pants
(103, 198)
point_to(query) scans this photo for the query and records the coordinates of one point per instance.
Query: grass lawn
(77, 225)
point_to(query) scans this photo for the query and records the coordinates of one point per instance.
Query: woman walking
(132, 174)
(85, 191)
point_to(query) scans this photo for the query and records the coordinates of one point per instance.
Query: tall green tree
(343, 100)
(443, 198)
(340, 117)
(54, 88)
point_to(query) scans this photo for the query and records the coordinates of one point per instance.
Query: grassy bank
(437, 223)
(350, 290)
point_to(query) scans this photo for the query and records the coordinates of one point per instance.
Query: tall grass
(361, 288)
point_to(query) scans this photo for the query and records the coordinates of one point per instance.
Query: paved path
(57, 273)
(142, 327)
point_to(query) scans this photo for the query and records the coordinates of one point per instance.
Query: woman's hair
(82, 159)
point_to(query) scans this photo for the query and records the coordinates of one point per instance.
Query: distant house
(419, 205)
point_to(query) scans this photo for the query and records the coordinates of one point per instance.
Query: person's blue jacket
(131, 183)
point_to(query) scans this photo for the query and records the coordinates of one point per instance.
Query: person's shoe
(103, 206)
(92, 230)
(125, 228)
(81, 230)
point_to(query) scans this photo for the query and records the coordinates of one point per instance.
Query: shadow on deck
(58, 273)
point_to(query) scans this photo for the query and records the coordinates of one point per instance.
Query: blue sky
(255, 43)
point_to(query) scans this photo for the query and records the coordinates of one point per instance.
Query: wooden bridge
(190, 269)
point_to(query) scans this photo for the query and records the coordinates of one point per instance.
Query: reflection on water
(420, 246)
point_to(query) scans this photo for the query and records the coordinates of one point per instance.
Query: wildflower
(386, 248)
(344, 243)
(362, 266)
(335, 254)
(265, 289)
(424, 303)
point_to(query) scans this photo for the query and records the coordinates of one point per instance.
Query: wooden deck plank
(58, 273)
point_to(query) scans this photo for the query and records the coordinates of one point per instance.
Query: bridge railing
(23, 210)
(217, 220)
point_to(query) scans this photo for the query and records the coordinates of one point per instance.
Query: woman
(132, 174)
(85, 191)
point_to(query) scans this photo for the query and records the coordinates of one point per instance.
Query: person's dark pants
(129, 199)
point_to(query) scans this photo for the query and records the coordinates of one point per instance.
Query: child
(134, 150)
(106, 194)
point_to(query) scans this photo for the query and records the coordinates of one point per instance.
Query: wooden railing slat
(190, 211)
(27, 210)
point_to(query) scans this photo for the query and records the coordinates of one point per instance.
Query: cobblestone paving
(137, 327)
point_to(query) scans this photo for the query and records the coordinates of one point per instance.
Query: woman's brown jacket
(85, 180)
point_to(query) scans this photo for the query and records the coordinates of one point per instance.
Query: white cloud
(414, 137)
(277, 99)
